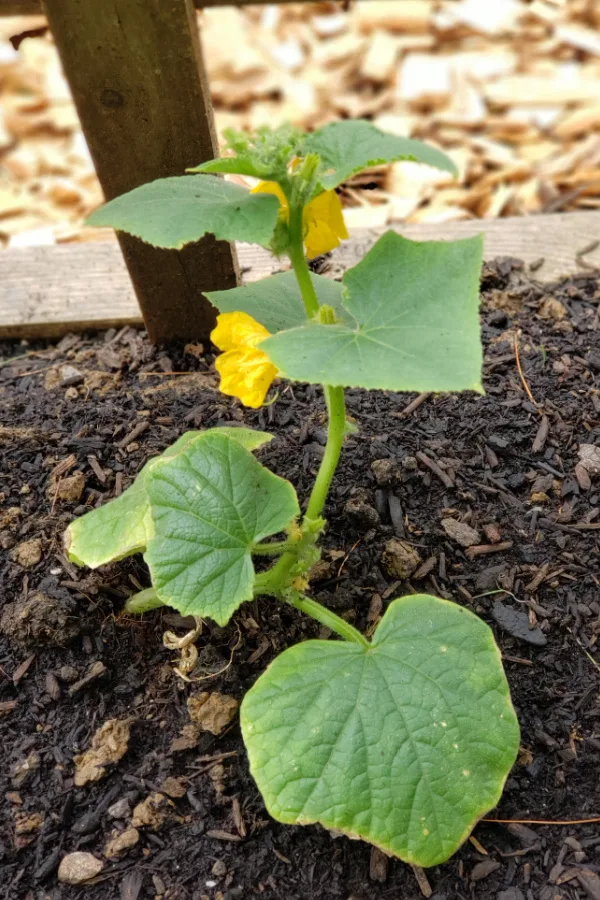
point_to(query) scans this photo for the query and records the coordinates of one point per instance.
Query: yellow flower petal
(246, 374)
(272, 187)
(324, 224)
(237, 329)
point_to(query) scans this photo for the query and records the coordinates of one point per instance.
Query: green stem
(336, 407)
(326, 617)
(272, 549)
(299, 264)
(143, 602)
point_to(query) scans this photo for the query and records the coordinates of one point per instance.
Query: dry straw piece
(509, 90)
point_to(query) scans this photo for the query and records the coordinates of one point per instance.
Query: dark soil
(502, 468)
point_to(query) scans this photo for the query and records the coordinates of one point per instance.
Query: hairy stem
(326, 617)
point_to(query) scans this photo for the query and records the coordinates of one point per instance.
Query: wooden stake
(137, 77)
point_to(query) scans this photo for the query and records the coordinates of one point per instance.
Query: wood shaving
(509, 90)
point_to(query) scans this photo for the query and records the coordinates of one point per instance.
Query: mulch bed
(102, 405)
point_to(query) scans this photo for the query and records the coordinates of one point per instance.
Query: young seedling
(406, 739)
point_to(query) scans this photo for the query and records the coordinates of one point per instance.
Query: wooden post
(136, 72)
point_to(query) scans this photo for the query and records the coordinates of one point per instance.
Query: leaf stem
(272, 549)
(325, 617)
(299, 263)
(143, 602)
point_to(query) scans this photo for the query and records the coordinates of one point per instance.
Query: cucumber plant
(406, 739)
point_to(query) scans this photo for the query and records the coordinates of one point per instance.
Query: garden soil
(518, 466)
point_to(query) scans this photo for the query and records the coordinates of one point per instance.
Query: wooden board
(138, 81)
(49, 291)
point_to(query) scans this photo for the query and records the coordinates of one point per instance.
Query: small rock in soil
(360, 511)
(399, 559)
(28, 554)
(219, 868)
(460, 532)
(151, 812)
(41, 620)
(120, 810)
(174, 787)
(23, 769)
(109, 745)
(385, 471)
(68, 674)
(27, 823)
(68, 489)
(79, 867)
(589, 457)
(69, 376)
(189, 738)
(121, 841)
(516, 623)
(212, 712)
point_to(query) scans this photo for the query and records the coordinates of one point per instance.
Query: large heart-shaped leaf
(276, 301)
(350, 146)
(173, 212)
(405, 743)
(416, 322)
(210, 504)
(124, 526)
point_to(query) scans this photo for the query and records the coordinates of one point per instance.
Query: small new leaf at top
(344, 148)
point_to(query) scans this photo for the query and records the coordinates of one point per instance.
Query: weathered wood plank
(48, 291)
(138, 81)
(34, 7)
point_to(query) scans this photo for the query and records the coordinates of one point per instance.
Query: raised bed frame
(143, 121)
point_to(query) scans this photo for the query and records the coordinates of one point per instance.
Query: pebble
(120, 810)
(23, 770)
(123, 841)
(399, 559)
(384, 471)
(460, 532)
(78, 867)
(68, 674)
(360, 511)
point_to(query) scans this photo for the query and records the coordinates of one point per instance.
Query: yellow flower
(246, 372)
(324, 225)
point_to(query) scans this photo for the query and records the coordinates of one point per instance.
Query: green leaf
(124, 526)
(405, 743)
(229, 165)
(350, 146)
(416, 322)
(173, 212)
(210, 505)
(115, 530)
(276, 301)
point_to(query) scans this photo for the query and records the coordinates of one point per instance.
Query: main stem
(277, 580)
(299, 264)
